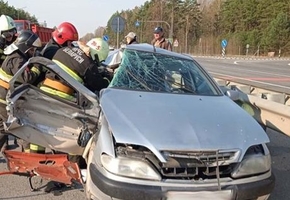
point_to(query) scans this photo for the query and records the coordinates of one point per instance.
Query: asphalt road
(268, 74)
(16, 187)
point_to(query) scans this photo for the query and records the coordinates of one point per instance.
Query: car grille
(198, 165)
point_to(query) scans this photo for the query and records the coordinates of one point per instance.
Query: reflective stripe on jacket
(57, 93)
(34, 148)
(4, 76)
(69, 71)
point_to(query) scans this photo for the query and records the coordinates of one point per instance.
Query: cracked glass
(147, 71)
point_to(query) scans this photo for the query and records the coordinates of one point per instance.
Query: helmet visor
(7, 34)
(37, 43)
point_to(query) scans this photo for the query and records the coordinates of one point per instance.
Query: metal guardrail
(268, 107)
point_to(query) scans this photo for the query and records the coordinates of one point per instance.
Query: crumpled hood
(161, 121)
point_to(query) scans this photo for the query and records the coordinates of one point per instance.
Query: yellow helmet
(100, 47)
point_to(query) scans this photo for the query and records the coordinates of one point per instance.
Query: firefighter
(7, 36)
(63, 36)
(17, 54)
(82, 64)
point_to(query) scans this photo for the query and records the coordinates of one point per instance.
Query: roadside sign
(224, 43)
(247, 46)
(175, 43)
(106, 38)
(118, 24)
(137, 23)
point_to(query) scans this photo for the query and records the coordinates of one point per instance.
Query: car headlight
(254, 162)
(129, 167)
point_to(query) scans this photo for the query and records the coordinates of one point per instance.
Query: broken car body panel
(161, 121)
(49, 166)
(47, 120)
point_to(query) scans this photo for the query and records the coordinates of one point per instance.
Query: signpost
(118, 25)
(175, 43)
(106, 38)
(224, 44)
(137, 23)
(247, 49)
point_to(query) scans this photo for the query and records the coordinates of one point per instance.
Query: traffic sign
(175, 43)
(224, 43)
(106, 38)
(137, 23)
(118, 24)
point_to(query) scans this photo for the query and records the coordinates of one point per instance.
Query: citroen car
(163, 129)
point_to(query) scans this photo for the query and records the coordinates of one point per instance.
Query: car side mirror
(233, 94)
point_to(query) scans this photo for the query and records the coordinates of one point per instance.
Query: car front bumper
(130, 191)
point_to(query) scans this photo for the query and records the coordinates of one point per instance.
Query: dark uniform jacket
(164, 44)
(75, 59)
(4, 43)
(12, 63)
(50, 49)
(133, 42)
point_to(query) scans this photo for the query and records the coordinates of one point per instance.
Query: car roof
(150, 48)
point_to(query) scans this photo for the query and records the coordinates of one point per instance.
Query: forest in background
(15, 13)
(200, 25)
(251, 27)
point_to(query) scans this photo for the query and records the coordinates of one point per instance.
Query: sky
(86, 15)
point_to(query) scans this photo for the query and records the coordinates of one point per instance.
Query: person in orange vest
(18, 53)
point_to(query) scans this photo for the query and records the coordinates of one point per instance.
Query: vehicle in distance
(44, 33)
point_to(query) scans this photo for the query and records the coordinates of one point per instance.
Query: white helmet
(100, 47)
(7, 25)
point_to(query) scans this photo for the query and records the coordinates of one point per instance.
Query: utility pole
(171, 27)
(19, 10)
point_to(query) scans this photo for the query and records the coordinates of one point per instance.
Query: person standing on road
(159, 39)
(131, 38)
(18, 54)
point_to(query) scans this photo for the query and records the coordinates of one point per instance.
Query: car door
(48, 120)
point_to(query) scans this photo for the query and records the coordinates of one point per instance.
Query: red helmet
(65, 32)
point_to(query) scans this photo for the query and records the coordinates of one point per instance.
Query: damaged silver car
(163, 129)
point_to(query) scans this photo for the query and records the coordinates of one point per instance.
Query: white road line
(245, 79)
(260, 72)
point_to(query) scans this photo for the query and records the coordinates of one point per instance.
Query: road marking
(268, 79)
(232, 78)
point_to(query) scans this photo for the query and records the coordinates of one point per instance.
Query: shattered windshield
(154, 72)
